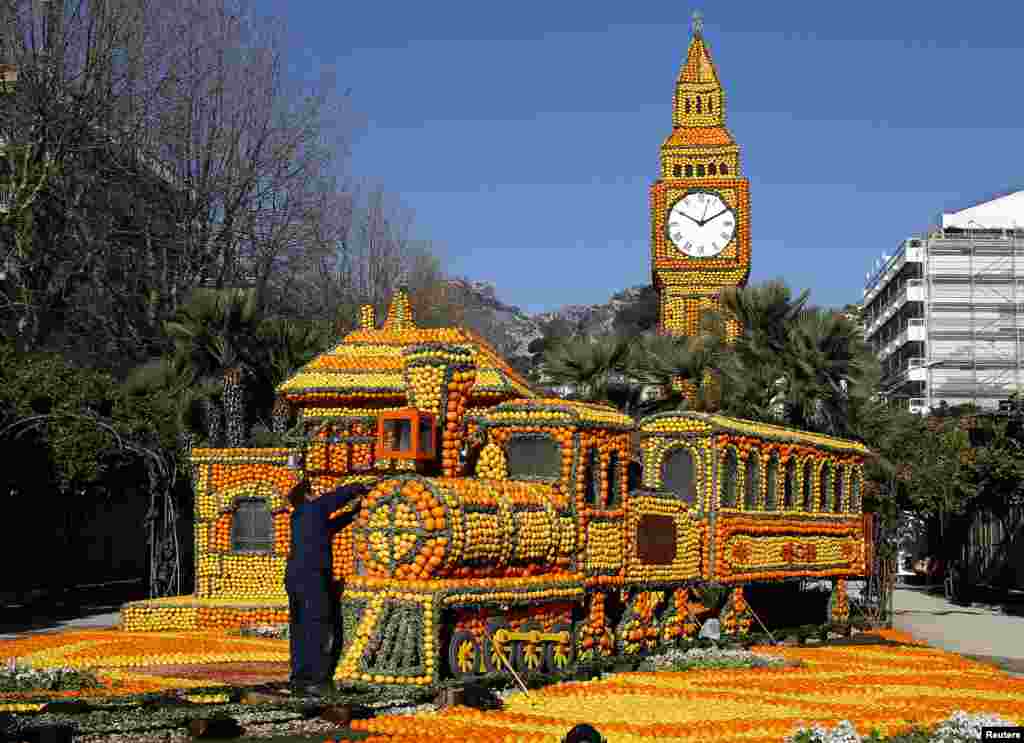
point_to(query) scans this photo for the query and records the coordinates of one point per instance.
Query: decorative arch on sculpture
(807, 484)
(838, 487)
(250, 510)
(252, 526)
(789, 484)
(680, 470)
(825, 476)
(771, 502)
(615, 476)
(228, 498)
(730, 478)
(856, 484)
(752, 480)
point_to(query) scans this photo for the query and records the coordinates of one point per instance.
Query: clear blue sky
(524, 135)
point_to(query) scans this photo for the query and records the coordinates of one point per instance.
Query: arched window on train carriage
(789, 484)
(826, 487)
(723, 169)
(808, 485)
(700, 170)
(689, 170)
(712, 169)
(772, 477)
(677, 475)
(592, 479)
(698, 104)
(677, 170)
(614, 480)
(855, 486)
(752, 484)
(634, 475)
(837, 495)
(730, 475)
(252, 526)
(686, 105)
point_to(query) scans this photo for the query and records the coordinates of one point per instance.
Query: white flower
(844, 732)
(957, 728)
(962, 726)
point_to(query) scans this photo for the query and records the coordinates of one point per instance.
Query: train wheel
(529, 656)
(558, 656)
(464, 655)
(495, 644)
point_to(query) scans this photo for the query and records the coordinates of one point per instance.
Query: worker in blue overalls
(312, 600)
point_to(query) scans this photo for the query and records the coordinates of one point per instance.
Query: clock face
(701, 224)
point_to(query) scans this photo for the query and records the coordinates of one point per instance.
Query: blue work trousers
(313, 641)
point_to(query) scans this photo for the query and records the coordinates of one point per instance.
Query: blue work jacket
(310, 555)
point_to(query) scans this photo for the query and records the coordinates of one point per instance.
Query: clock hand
(704, 222)
(696, 221)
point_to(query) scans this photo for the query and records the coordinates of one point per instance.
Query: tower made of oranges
(700, 205)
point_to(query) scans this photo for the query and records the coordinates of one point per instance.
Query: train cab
(408, 434)
(582, 450)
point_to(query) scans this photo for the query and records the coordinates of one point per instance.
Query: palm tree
(765, 312)
(802, 366)
(587, 363)
(195, 411)
(688, 366)
(290, 344)
(829, 364)
(214, 335)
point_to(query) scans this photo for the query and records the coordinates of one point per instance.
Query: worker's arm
(331, 502)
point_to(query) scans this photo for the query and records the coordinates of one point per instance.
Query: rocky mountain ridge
(512, 330)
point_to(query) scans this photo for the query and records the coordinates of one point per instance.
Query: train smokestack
(438, 378)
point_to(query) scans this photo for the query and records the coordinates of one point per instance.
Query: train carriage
(775, 503)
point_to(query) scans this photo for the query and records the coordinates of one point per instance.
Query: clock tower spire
(700, 205)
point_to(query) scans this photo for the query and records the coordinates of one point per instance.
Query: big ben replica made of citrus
(700, 206)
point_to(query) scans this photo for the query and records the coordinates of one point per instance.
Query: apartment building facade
(945, 313)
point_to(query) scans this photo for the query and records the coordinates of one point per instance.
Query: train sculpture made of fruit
(513, 536)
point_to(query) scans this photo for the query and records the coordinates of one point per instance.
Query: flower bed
(124, 663)
(888, 687)
(891, 686)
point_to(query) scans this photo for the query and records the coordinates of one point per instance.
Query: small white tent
(1004, 213)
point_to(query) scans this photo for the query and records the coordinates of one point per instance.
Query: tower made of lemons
(700, 204)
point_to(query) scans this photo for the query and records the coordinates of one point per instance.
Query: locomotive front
(437, 556)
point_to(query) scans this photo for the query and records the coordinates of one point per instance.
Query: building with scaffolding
(944, 313)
